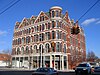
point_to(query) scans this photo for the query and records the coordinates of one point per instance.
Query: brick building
(46, 40)
(5, 60)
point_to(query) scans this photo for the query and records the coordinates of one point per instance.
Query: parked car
(45, 71)
(94, 64)
(96, 71)
(83, 69)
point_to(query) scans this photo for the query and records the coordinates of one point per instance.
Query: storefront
(55, 60)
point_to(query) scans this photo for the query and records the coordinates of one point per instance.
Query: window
(53, 46)
(48, 25)
(57, 24)
(18, 50)
(42, 27)
(71, 50)
(22, 50)
(71, 41)
(27, 49)
(60, 35)
(31, 50)
(65, 48)
(47, 48)
(64, 37)
(52, 13)
(57, 35)
(23, 40)
(53, 24)
(58, 47)
(41, 48)
(19, 41)
(47, 35)
(57, 13)
(53, 35)
(35, 38)
(35, 49)
(76, 42)
(40, 37)
(35, 28)
(42, 18)
(27, 39)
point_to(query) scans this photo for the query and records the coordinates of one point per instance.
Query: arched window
(27, 50)
(41, 48)
(71, 50)
(31, 50)
(47, 47)
(18, 51)
(29, 30)
(57, 34)
(65, 48)
(57, 24)
(53, 24)
(27, 39)
(47, 35)
(23, 40)
(22, 50)
(58, 47)
(57, 13)
(35, 28)
(48, 25)
(35, 49)
(64, 37)
(42, 27)
(53, 46)
(19, 41)
(53, 34)
(53, 13)
(42, 36)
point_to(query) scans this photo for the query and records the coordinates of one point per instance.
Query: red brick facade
(52, 30)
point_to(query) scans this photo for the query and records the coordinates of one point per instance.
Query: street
(27, 72)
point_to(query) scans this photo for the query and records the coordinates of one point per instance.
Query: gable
(41, 17)
(24, 23)
(66, 18)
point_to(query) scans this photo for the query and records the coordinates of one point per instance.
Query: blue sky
(26, 8)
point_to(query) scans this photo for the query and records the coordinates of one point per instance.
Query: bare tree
(91, 56)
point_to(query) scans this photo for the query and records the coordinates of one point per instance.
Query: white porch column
(43, 60)
(37, 61)
(23, 61)
(32, 63)
(54, 61)
(15, 62)
(50, 60)
(62, 62)
(19, 62)
(67, 62)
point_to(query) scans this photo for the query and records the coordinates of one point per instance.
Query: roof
(5, 57)
(56, 7)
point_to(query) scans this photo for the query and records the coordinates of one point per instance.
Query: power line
(9, 7)
(88, 10)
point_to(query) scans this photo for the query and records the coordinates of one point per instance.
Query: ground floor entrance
(57, 61)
